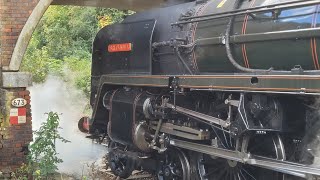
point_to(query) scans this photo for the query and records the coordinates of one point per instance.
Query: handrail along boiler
(211, 89)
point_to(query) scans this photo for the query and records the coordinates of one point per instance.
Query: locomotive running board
(286, 84)
(295, 169)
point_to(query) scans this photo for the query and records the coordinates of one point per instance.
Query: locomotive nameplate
(124, 47)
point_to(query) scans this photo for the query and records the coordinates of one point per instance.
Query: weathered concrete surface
(136, 5)
(16, 79)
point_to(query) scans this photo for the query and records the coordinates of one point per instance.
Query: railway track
(136, 175)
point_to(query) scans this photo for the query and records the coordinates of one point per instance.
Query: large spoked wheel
(214, 168)
(119, 164)
(174, 165)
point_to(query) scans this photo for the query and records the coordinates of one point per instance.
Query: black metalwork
(268, 8)
(228, 32)
(262, 37)
(244, 10)
(135, 61)
(224, 86)
(282, 84)
(174, 165)
(215, 168)
(120, 164)
(287, 167)
(228, 47)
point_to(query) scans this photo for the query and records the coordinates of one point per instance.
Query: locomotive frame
(249, 124)
(299, 85)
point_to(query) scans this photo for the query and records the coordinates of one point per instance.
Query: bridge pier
(15, 122)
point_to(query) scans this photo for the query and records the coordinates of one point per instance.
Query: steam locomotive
(211, 90)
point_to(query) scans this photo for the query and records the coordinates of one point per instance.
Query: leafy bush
(111, 15)
(42, 157)
(40, 64)
(79, 73)
(62, 43)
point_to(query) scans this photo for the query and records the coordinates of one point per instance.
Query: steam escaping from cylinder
(55, 95)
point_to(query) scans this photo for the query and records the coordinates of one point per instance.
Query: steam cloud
(54, 95)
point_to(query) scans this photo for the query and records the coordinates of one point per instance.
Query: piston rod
(197, 115)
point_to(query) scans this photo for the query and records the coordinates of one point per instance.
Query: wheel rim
(214, 168)
(119, 163)
(174, 165)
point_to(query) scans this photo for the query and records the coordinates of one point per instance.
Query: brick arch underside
(26, 34)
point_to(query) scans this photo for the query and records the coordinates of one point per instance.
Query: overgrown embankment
(62, 43)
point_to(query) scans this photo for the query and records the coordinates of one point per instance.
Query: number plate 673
(19, 102)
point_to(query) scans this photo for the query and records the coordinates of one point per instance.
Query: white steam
(54, 95)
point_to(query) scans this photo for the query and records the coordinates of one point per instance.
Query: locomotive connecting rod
(193, 114)
(286, 167)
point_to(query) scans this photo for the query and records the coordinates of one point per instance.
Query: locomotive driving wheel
(119, 163)
(215, 168)
(174, 165)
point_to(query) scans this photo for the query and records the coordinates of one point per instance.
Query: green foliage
(40, 64)
(43, 156)
(111, 15)
(79, 73)
(62, 43)
(68, 30)
(22, 173)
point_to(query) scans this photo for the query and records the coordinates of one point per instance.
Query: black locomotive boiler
(211, 89)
